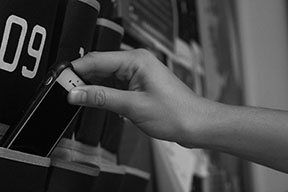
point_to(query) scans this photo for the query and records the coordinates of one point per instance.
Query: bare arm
(163, 107)
(255, 134)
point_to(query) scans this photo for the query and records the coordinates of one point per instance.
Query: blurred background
(230, 51)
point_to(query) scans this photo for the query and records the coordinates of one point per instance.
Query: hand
(163, 107)
(157, 101)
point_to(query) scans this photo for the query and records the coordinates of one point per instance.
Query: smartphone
(48, 115)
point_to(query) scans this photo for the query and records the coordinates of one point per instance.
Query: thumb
(115, 100)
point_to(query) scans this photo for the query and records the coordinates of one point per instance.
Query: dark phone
(48, 115)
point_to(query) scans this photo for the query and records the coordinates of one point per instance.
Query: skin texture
(163, 107)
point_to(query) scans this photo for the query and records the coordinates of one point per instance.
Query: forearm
(256, 134)
(163, 107)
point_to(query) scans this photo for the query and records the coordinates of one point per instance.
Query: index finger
(103, 63)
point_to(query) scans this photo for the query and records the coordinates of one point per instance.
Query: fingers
(115, 100)
(99, 62)
(105, 63)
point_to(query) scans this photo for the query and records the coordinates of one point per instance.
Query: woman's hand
(157, 101)
(163, 107)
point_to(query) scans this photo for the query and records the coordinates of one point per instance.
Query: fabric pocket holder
(22, 172)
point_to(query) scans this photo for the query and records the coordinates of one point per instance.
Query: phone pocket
(110, 178)
(22, 172)
(66, 176)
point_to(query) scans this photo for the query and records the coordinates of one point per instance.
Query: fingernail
(78, 96)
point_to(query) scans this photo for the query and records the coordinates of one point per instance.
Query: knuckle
(140, 57)
(135, 60)
(100, 98)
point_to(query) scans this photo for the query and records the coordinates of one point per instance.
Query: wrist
(203, 124)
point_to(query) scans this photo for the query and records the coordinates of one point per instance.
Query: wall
(263, 28)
